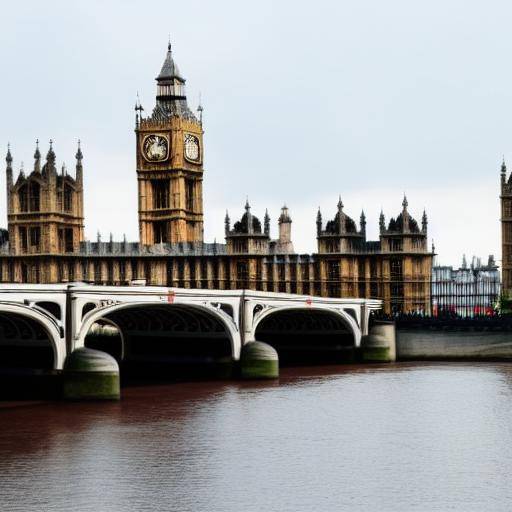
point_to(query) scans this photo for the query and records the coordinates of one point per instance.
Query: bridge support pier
(379, 346)
(90, 375)
(259, 360)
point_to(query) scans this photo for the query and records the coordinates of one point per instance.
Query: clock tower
(170, 164)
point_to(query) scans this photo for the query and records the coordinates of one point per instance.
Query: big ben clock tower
(170, 164)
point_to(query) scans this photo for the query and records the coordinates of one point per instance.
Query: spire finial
(169, 43)
(37, 158)
(340, 203)
(200, 109)
(247, 206)
(8, 157)
(382, 220)
(318, 221)
(79, 154)
(266, 223)
(405, 203)
(227, 223)
(50, 156)
(503, 166)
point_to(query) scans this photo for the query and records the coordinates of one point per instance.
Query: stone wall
(453, 345)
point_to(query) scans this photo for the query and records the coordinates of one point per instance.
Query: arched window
(68, 198)
(35, 196)
(23, 198)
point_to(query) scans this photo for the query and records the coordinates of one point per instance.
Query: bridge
(41, 325)
(54, 320)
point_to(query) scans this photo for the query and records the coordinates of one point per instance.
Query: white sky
(303, 101)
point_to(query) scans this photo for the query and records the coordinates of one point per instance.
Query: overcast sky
(303, 101)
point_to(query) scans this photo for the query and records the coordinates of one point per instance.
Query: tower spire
(138, 111)
(8, 157)
(362, 222)
(50, 156)
(227, 223)
(9, 178)
(249, 216)
(79, 168)
(266, 223)
(200, 110)
(424, 222)
(37, 158)
(318, 222)
(382, 221)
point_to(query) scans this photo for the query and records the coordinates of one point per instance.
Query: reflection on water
(396, 437)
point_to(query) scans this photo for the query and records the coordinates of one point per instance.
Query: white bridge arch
(77, 307)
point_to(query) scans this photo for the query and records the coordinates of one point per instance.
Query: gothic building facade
(506, 230)
(46, 241)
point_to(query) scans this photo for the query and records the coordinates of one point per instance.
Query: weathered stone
(90, 375)
(379, 346)
(259, 360)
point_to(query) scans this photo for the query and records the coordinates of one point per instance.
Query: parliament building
(45, 240)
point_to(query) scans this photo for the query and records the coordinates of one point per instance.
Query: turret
(266, 223)
(340, 235)
(285, 226)
(37, 158)
(250, 227)
(424, 222)
(9, 179)
(49, 169)
(227, 223)
(503, 172)
(319, 222)
(247, 236)
(8, 170)
(382, 222)
(200, 111)
(79, 168)
(405, 215)
(362, 223)
(341, 225)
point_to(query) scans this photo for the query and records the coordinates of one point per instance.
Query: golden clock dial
(155, 148)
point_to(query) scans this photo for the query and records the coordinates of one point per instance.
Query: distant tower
(170, 164)
(247, 235)
(506, 230)
(285, 232)
(45, 208)
(339, 235)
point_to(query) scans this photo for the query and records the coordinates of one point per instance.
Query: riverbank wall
(445, 345)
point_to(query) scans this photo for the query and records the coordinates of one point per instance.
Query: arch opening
(165, 340)
(25, 344)
(27, 359)
(308, 336)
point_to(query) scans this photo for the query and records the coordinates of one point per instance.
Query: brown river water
(404, 437)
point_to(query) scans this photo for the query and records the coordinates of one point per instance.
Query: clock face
(192, 151)
(155, 148)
